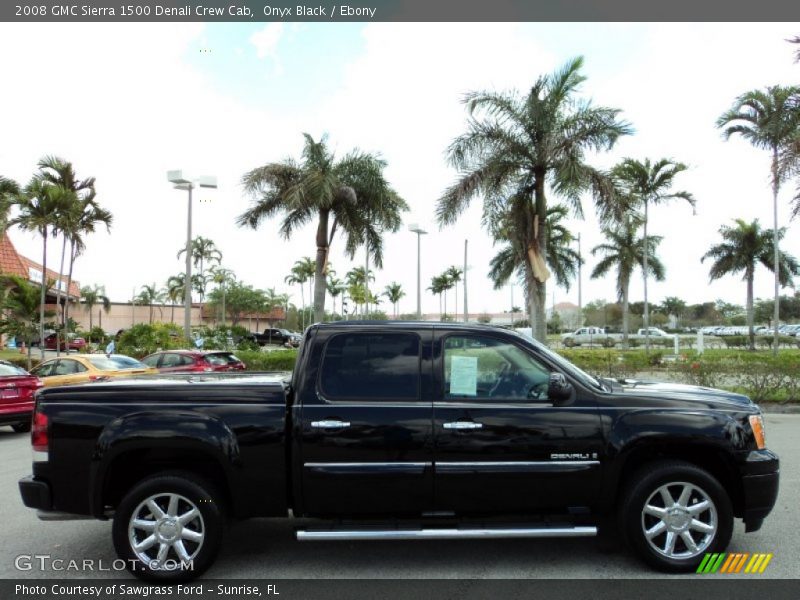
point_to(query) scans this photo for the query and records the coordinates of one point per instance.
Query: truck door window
(485, 368)
(371, 366)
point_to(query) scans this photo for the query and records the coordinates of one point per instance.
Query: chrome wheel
(165, 531)
(679, 520)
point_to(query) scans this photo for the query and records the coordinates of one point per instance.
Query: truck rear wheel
(168, 528)
(673, 513)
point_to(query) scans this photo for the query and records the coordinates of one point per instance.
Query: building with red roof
(13, 263)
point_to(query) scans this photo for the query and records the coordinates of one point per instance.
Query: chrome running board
(446, 534)
(52, 515)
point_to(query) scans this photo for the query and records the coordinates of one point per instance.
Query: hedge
(760, 375)
(277, 360)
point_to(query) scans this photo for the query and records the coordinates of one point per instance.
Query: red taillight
(39, 439)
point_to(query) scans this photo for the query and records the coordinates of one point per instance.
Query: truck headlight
(757, 425)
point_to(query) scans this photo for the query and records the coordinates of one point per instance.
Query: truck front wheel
(673, 513)
(168, 528)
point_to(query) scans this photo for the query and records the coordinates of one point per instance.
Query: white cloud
(266, 42)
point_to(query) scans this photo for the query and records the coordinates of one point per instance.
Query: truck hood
(677, 392)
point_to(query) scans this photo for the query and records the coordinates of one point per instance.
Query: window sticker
(464, 375)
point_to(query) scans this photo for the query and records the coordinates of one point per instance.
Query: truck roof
(417, 324)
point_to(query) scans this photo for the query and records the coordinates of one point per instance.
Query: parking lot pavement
(265, 548)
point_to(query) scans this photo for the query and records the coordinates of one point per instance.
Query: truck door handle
(330, 424)
(463, 425)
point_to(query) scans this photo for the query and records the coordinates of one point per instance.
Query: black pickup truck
(402, 431)
(281, 337)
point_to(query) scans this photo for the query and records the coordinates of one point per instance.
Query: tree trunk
(224, 316)
(319, 271)
(455, 308)
(777, 256)
(538, 289)
(646, 308)
(44, 291)
(625, 316)
(72, 257)
(751, 333)
(58, 299)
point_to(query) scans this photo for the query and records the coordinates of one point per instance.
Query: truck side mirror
(559, 388)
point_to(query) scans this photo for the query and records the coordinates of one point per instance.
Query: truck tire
(673, 513)
(169, 527)
(569, 343)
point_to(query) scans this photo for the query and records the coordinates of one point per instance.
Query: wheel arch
(709, 457)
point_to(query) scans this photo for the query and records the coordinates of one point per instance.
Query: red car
(50, 342)
(17, 388)
(194, 361)
(75, 343)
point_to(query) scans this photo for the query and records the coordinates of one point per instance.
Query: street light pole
(187, 183)
(414, 228)
(187, 282)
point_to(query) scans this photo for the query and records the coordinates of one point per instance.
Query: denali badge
(574, 456)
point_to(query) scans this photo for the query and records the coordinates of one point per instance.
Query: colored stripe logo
(734, 562)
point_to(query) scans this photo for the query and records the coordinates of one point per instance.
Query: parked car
(193, 361)
(75, 342)
(89, 367)
(17, 388)
(654, 332)
(402, 431)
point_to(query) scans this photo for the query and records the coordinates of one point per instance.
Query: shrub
(277, 360)
(144, 338)
(22, 361)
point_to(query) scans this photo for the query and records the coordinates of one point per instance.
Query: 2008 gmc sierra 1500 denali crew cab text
(402, 431)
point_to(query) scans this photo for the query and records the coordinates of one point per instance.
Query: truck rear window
(371, 366)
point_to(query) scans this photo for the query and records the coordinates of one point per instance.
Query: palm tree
(796, 40)
(88, 215)
(624, 251)
(20, 310)
(150, 294)
(8, 190)
(453, 278)
(92, 296)
(521, 145)
(742, 248)
(222, 277)
(59, 172)
(350, 194)
(39, 204)
(298, 276)
(335, 288)
(394, 292)
(175, 291)
(439, 286)
(308, 268)
(562, 259)
(203, 251)
(644, 184)
(769, 120)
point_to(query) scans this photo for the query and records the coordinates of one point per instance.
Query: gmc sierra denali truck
(402, 430)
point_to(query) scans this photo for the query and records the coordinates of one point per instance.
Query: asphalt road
(265, 548)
